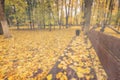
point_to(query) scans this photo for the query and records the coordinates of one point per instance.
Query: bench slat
(108, 50)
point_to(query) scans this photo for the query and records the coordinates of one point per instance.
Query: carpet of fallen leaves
(78, 63)
(30, 55)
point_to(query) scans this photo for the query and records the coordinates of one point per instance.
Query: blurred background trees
(50, 14)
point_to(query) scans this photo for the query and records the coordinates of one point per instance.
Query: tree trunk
(57, 5)
(67, 21)
(44, 20)
(71, 13)
(61, 16)
(66, 14)
(87, 17)
(67, 11)
(3, 20)
(87, 14)
(108, 16)
(76, 17)
(50, 14)
(29, 10)
(44, 24)
(82, 11)
(18, 25)
(118, 14)
(1, 30)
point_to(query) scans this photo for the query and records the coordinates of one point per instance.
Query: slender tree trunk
(58, 20)
(111, 5)
(82, 11)
(118, 15)
(61, 16)
(44, 24)
(50, 14)
(67, 11)
(55, 21)
(107, 15)
(66, 21)
(33, 24)
(76, 18)
(43, 1)
(29, 13)
(3, 20)
(98, 15)
(66, 14)
(50, 27)
(71, 13)
(44, 20)
(18, 25)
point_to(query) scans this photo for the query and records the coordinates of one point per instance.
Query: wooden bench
(108, 50)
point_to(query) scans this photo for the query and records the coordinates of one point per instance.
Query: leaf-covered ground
(77, 63)
(32, 55)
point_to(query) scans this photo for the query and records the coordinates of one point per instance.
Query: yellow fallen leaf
(59, 66)
(64, 67)
(64, 77)
(49, 77)
(59, 75)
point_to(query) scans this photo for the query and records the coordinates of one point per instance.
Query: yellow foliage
(28, 51)
(49, 77)
(61, 76)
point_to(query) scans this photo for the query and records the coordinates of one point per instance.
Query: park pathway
(77, 63)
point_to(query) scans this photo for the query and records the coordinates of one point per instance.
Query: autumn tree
(3, 21)
(15, 12)
(60, 12)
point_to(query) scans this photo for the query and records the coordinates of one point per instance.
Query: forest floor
(55, 55)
